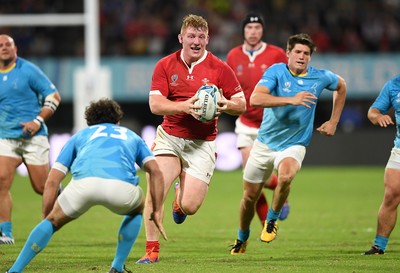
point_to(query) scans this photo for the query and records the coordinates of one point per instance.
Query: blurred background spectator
(136, 27)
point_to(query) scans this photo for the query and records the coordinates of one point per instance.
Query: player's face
(194, 43)
(8, 50)
(298, 58)
(252, 34)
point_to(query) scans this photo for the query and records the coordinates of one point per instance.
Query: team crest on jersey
(174, 79)
(287, 87)
(239, 70)
(205, 80)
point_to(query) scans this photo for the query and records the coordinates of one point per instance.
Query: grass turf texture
(332, 221)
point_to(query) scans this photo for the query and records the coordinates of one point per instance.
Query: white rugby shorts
(262, 161)
(197, 156)
(34, 150)
(394, 159)
(245, 134)
(118, 196)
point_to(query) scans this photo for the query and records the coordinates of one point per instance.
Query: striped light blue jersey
(105, 150)
(289, 125)
(22, 91)
(390, 97)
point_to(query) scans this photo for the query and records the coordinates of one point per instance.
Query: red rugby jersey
(249, 70)
(176, 81)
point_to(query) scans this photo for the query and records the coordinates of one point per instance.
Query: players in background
(387, 215)
(289, 95)
(249, 61)
(185, 148)
(102, 160)
(27, 99)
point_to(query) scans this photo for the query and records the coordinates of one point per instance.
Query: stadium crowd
(150, 27)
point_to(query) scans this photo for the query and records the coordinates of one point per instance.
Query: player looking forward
(27, 99)
(249, 61)
(185, 148)
(288, 94)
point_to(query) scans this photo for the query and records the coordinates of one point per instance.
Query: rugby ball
(208, 95)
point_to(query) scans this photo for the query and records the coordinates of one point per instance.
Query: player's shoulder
(214, 61)
(272, 47)
(171, 58)
(278, 67)
(21, 62)
(25, 65)
(315, 71)
(395, 80)
(235, 50)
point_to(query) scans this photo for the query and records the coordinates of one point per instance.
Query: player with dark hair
(289, 94)
(102, 160)
(185, 147)
(378, 115)
(249, 61)
(27, 99)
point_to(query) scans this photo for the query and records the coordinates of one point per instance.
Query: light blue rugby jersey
(105, 150)
(22, 91)
(390, 97)
(289, 125)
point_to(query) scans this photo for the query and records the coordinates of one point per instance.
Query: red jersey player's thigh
(171, 168)
(193, 192)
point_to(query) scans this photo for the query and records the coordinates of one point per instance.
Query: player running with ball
(185, 147)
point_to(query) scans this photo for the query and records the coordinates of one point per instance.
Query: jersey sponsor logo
(5, 78)
(189, 77)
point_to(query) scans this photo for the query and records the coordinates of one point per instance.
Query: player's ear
(180, 38)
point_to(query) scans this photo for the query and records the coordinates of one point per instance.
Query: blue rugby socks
(128, 232)
(36, 242)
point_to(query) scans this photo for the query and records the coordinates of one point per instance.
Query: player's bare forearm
(235, 106)
(160, 105)
(379, 119)
(50, 190)
(339, 99)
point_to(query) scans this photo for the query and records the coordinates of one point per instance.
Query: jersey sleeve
(269, 78)
(68, 152)
(159, 81)
(143, 153)
(383, 101)
(229, 83)
(332, 80)
(39, 82)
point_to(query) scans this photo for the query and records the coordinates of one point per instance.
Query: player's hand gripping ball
(208, 95)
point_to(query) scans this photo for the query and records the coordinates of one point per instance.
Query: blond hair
(194, 21)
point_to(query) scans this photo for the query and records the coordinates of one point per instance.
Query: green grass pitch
(332, 221)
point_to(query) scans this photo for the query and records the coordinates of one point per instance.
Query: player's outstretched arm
(156, 187)
(50, 190)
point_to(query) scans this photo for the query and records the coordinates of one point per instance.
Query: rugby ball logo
(208, 95)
